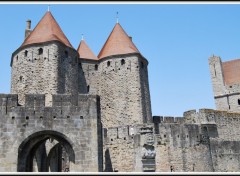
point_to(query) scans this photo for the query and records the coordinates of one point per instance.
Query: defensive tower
(119, 76)
(226, 83)
(45, 63)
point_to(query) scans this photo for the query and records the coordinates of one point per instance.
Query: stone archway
(34, 146)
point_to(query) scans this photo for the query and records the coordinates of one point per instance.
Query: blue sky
(177, 40)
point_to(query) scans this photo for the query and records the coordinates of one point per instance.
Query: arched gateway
(34, 148)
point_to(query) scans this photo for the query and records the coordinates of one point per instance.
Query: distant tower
(123, 81)
(225, 78)
(46, 63)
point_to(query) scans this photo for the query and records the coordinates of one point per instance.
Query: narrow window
(96, 67)
(21, 78)
(228, 102)
(214, 70)
(66, 53)
(108, 63)
(27, 118)
(142, 64)
(40, 51)
(17, 58)
(238, 101)
(88, 88)
(25, 53)
(122, 62)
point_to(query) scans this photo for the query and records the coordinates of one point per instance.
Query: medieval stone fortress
(72, 111)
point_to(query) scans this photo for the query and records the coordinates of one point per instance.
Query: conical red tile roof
(46, 30)
(85, 52)
(118, 42)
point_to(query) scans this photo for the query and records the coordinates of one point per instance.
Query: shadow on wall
(108, 162)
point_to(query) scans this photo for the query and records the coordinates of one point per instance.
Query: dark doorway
(47, 151)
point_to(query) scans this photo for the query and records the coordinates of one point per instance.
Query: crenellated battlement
(8, 99)
(167, 119)
(203, 116)
(190, 112)
(214, 121)
(64, 106)
(119, 133)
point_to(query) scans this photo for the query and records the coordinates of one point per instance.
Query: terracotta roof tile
(46, 30)
(118, 42)
(231, 71)
(85, 52)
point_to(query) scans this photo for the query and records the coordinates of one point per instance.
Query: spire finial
(48, 8)
(117, 17)
(82, 37)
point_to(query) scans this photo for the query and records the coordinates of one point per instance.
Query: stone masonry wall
(216, 73)
(118, 150)
(227, 97)
(218, 85)
(227, 123)
(124, 147)
(91, 72)
(204, 141)
(79, 124)
(178, 147)
(122, 84)
(225, 155)
(49, 72)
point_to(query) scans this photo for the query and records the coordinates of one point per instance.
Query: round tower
(123, 82)
(46, 63)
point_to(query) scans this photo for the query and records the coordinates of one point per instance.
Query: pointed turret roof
(118, 42)
(47, 30)
(85, 52)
